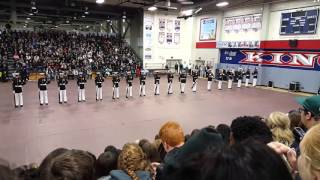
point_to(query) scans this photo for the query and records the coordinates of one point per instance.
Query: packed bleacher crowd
(251, 148)
(56, 51)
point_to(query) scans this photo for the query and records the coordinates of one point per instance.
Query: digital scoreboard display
(299, 22)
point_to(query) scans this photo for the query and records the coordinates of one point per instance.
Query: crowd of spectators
(251, 148)
(55, 51)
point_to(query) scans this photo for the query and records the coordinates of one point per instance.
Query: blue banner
(307, 60)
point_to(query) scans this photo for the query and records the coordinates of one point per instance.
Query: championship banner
(207, 29)
(306, 60)
(147, 37)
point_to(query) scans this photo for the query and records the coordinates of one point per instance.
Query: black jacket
(143, 79)
(17, 85)
(81, 82)
(62, 83)
(42, 84)
(99, 80)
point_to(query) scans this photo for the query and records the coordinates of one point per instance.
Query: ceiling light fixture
(83, 16)
(33, 5)
(99, 1)
(31, 14)
(198, 10)
(28, 18)
(187, 12)
(186, 2)
(222, 4)
(152, 8)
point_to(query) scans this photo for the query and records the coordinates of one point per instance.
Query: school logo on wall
(285, 59)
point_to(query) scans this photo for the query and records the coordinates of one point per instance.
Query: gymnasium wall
(158, 52)
(206, 53)
(272, 41)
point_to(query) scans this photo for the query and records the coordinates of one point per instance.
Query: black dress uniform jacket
(129, 80)
(194, 77)
(62, 83)
(115, 81)
(81, 82)
(143, 79)
(17, 85)
(99, 80)
(157, 79)
(170, 78)
(183, 78)
(42, 84)
(210, 76)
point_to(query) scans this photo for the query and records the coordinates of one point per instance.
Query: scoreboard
(299, 22)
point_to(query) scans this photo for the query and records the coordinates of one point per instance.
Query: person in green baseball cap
(310, 110)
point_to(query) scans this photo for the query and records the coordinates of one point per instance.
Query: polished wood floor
(28, 134)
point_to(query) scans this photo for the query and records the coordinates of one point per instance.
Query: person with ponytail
(132, 164)
(279, 124)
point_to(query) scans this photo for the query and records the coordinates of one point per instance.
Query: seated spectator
(310, 111)
(106, 162)
(224, 130)
(295, 119)
(279, 125)
(150, 150)
(132, 164)
(247, 160)
(27, 172)
(72, 165)
(250, 127)
(207, 138)
(309, 160)
(172, 137)
(112, 149)
(44, 168)
(6, 173)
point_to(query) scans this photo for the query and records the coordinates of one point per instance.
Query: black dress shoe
(16, 106)
(60, 102)
(21, 106)
(41, 104)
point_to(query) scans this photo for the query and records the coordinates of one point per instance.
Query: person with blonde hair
(279, 124)
(132, 164)
(309, 160)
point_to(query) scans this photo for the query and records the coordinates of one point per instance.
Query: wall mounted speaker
(293, 43)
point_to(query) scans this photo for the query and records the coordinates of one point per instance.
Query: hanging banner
(169, 25)
(177, 25)
(162, 37)
(162, 24)
(208, 29)
(169, 38)
(307, 60)
(147, 37)
(176, 38)
(242, 23)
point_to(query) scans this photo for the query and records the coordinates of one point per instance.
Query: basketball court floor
(28, 134)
